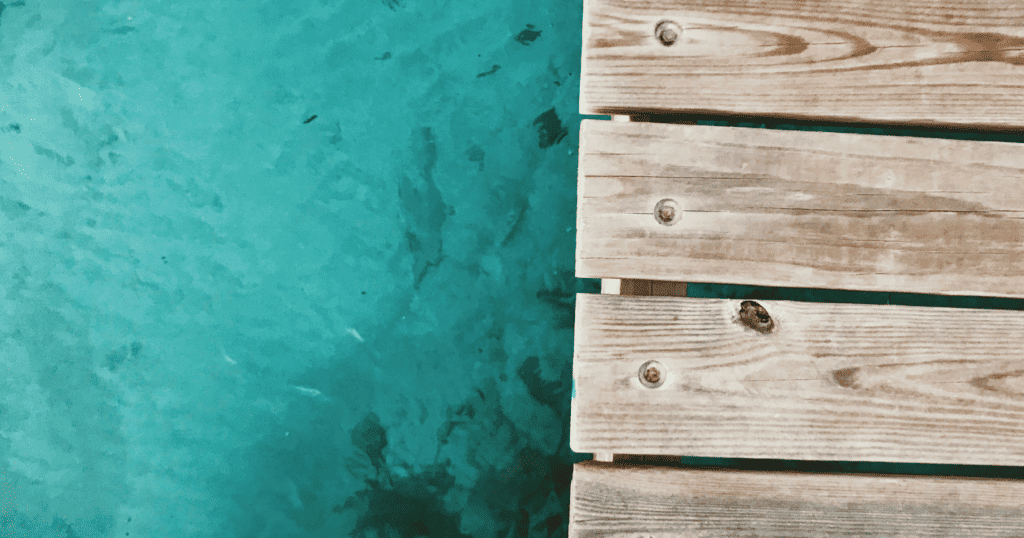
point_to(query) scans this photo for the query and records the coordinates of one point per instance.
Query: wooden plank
(609, 500)
(827, 381)
(801, 209)
(924, 62)
(613, 286)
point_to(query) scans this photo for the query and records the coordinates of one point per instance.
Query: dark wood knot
(754, 315)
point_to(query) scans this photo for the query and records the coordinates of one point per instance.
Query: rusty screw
(754, 315)
(652, 374)
(667, 212)
(667, 32)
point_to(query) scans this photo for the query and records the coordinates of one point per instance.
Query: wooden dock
(659, 376)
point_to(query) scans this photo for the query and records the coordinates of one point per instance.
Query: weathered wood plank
(829, 381)
(928, 61)
(614, 286)
(609, 500)
(801, 209)
(609, 286)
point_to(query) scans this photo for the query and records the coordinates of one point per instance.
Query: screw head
(667, 212)
(667, 32)
(652, 374)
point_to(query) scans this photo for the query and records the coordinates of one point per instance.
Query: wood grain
(840, 382)
(923, 61)
(613, 286)
(801, 209)
(609, 500)
(609, 286)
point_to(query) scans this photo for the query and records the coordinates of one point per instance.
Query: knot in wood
(667, 32)
(754, 315)
(652, 374)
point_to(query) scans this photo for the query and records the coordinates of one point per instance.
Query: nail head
(667, 212)
(652, 374)
(667, 32)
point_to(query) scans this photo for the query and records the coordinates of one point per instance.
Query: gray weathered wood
(609, 500)
(838, 382)
(928, 61)
(611, 286)
(801, 209)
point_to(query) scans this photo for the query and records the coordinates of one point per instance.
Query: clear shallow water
(278, 269)
(225, 317)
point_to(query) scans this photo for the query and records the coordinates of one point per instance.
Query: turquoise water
(276, 269)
